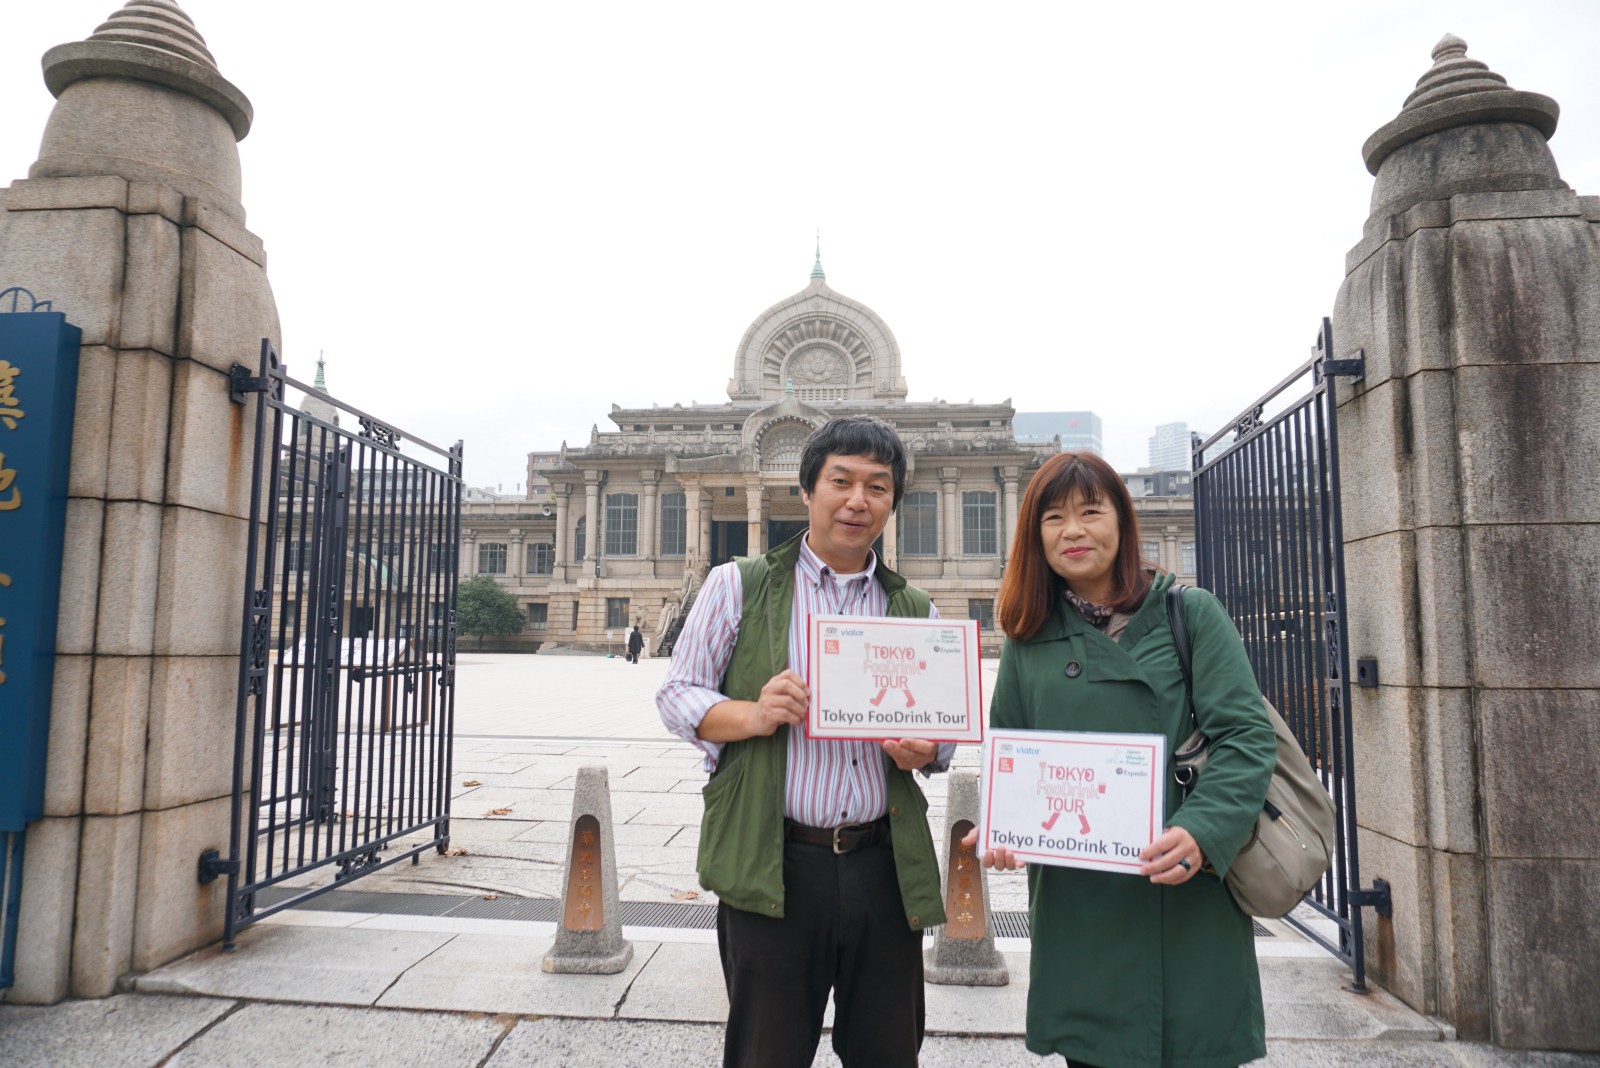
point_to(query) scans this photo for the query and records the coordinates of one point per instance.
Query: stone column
(891, 534)
(130, 222)
(1174, 551)
(563, 531)
(469, 553)
(1472, 527)
(752, 515)
(648, 521)
(1011, 475)
(706, 505)
(516, 557)
(692, 550)
(591, 524)
(950, 508)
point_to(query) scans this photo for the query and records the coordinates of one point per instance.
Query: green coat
(1125, 972)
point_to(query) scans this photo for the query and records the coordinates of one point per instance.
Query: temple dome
(821, 344)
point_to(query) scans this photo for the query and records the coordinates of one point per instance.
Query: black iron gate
(346, 705)
(1270, 545)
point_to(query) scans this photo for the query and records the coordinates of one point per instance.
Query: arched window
(577, 539)
(780, 448)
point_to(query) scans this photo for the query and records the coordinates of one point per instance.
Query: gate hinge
(240, 382)
(212, 865)
(1355, 367)
(1375, 898)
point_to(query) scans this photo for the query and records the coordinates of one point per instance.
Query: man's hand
(909, 754)
(784, 699)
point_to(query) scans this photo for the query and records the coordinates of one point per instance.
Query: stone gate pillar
(131, 223)
(1472, 547)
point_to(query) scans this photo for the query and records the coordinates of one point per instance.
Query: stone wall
(1472, 526)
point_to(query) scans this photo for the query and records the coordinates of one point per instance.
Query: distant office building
(1169, 448)
(538, 464)
(1148, 483)
(1080, 431)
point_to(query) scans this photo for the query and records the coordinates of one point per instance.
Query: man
(635, 644)
(819, 851)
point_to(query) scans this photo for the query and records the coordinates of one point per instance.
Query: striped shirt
(828, 782)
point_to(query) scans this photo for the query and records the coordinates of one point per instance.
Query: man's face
(848, 508)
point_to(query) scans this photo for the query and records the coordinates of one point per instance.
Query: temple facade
(623, 529)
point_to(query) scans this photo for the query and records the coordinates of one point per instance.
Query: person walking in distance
(635, 644)
(819, 851)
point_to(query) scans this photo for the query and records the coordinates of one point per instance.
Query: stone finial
(150, 41)
(1457, 91)
(816, 268)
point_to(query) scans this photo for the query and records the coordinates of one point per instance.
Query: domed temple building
(623, 530)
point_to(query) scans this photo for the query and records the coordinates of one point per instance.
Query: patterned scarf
(1097, 615)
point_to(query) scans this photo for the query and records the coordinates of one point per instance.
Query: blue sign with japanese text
(38, 389)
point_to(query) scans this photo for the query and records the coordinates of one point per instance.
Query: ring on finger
(1183, 862)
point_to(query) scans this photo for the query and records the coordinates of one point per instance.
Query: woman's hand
(1173, 858)
(1001, 858)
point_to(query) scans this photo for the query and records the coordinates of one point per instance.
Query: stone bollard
(963, 952)
(589, 933)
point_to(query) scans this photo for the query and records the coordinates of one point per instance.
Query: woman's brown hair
(1030, 589)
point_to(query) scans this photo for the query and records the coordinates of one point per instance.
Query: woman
(1157, 968)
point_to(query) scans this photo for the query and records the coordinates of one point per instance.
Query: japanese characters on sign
(585, 909)
(873, 678)
(38, 391)
(1076, 799)
(964, 906)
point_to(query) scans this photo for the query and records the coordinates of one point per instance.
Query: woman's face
(1080, 540)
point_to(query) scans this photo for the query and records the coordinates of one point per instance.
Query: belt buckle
(836, 850)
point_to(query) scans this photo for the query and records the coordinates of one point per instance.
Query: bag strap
(1180, 640)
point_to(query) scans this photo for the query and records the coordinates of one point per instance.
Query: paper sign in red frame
(1027, 747)
(898, 711)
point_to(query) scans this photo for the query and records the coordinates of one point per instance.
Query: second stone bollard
(589, 931)
(963, 952)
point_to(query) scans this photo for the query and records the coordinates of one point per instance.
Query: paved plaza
(382, 982)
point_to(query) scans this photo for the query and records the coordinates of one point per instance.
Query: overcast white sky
(498, 219)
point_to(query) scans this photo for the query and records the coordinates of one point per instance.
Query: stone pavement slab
(494, 973)
(1301, 1054)
(274, 962)
(1305, 998)
(118, 1032)
(683, 983)
(294, 1036)
(982, 1010)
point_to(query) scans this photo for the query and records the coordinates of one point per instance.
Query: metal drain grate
(669, 914)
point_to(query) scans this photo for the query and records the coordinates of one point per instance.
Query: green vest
(741, 833)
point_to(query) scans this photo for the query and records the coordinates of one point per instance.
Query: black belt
(844, 839)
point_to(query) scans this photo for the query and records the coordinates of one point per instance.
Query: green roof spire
(320, 382)
(816, 268)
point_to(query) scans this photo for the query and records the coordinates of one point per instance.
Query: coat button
(894, 810)
(916, 921)
(773, 906)
(1074, 669)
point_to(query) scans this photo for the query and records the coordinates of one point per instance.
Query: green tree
(482, 607)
